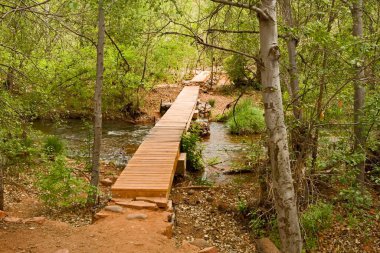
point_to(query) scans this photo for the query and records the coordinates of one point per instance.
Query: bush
(240, 72)
(60, 187)
(247, 119)
(190, 144)
(355, 198)
(53, 146)
(211, 102)
(316, 218)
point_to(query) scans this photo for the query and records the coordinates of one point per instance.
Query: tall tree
(359, 90)
(284, 195)
(98, 104)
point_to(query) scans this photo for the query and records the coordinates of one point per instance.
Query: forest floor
(209, 216)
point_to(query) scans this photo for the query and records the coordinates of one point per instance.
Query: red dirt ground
(112, 234)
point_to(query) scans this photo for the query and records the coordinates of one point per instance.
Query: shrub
(190, 144)
(355, 198)
(53, 146)
(211, 102)
(247, 118)
(60, 187)
(240, 72)
(316, 218)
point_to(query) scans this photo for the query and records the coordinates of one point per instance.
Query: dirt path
(112, 234)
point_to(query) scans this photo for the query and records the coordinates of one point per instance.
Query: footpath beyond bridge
(150, 171)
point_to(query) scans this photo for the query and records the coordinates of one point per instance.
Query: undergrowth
(246, 118)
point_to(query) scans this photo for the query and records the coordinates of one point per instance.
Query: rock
(264, 245)
(101, 215)
(139, 205)
(38, 220)
(188, 247)
(168, 232)
(12, 220)
(106, 182)
(62, 251)
(160, 202)
(200, 243)
(209, 250)
(2, 214)
(170, 206)
(171, 217)
(115, 209)
(137, 216)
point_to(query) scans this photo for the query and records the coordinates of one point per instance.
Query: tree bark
(98, 106)
(359, 90)
(284, 195)
(298, 138)
(291, 43)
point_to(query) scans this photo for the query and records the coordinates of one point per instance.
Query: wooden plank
(151, 170)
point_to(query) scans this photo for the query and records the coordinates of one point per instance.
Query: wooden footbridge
(150, 171)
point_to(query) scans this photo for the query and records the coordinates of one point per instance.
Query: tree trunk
(299, 137)
(322, 85)
(98, 106)
(284, 196)
(291, 43)
(359, 90)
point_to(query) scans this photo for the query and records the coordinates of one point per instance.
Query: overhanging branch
(256, 9)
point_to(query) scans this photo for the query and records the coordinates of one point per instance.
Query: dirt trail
(112, 234)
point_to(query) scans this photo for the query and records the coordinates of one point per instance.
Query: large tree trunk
(98, 105)
(284, 196)
(359, 90)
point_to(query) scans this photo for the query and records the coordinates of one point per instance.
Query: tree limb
(259, 11)
(120, 52)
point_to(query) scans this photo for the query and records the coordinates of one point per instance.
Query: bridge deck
(150, 171)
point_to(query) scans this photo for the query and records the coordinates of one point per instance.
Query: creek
(121, 139)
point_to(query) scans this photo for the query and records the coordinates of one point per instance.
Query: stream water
(120, 140)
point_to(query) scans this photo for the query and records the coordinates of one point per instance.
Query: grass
(247, 118)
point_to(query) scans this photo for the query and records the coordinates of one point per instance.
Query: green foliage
(247, 119)
(190, 144)
(240, 72)
(211, 102)
(203, 181)
(354, 197)
(242, 206)
(59, 186)
(316, 218)
(257, 223)
(53, 146)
